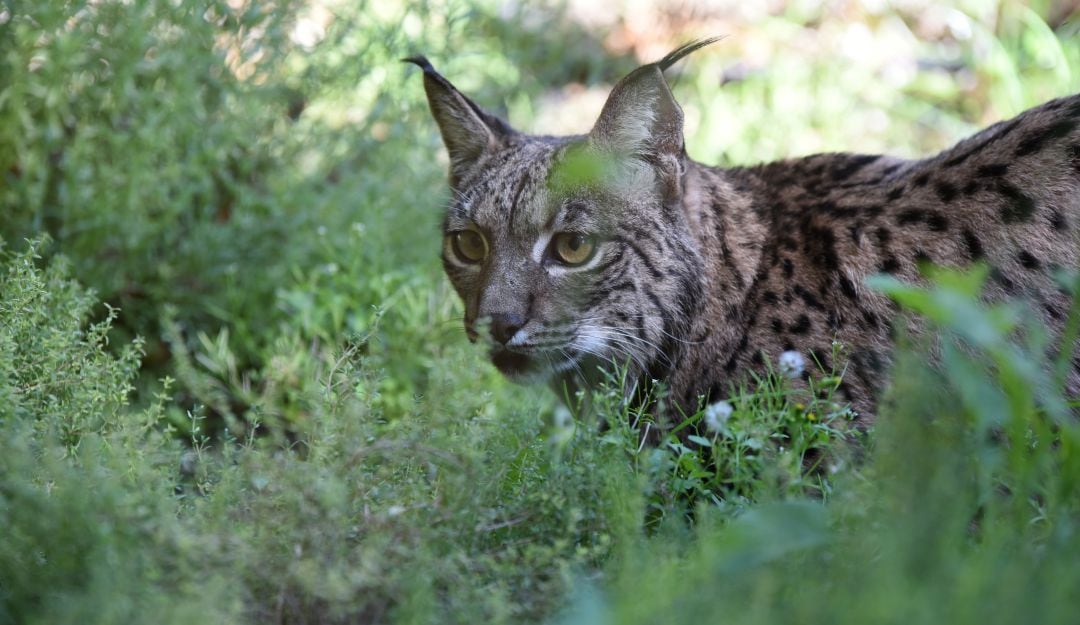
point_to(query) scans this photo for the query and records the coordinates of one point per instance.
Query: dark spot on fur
(777, 325)
(733, 361)
(839, 212)
(891, 169)
(946, 191)
(870, 318)
(1053, 311)
(835, 321)
(922, 179)
(910, 216)
(820, 246)
(800, 326)
(769, 297)
(933, 219)
(1058, 221)
(853, 165)
(825, 206)
(1028, 260)
(1038, 140)
(808, 298)
(869, 367)
(847, 287)
(971, 187)
(890, 265)
(997, 276)
(895, 194)
(973, 244)
(1074, 157)
(876, 361)
(873, 210)
(789, 268)
(937, 221)
(994, 170)
(1019, 206)
(856, 233)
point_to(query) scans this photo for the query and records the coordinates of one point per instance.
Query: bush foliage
(234, 387)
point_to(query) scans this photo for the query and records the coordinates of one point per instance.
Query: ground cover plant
(233, 387)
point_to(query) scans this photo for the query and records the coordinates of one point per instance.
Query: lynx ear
(641, 116)
(466, 129)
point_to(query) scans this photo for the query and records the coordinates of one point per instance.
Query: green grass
(301, 433)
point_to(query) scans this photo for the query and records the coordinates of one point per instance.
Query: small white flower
(716, 415)
(792, 364)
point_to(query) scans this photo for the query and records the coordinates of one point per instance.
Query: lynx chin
(570, 253)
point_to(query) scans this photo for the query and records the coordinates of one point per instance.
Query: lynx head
(571, 250)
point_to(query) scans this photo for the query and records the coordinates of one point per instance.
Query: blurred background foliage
(281, 420)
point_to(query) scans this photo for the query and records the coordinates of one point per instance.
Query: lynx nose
(505, 325)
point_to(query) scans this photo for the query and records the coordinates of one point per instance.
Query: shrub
(110, 518)
(54, 372)
(90, 533)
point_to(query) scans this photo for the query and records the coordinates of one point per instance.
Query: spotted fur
(701, 274)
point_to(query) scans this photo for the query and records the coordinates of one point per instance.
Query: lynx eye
(469, 245)
(572, 248)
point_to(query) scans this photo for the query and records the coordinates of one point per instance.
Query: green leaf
(768, 533)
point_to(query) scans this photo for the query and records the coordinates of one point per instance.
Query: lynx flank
(570, 252)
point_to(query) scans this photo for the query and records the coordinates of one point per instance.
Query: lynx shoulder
(573, 252)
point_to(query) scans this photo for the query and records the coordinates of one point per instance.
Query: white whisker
(662, 331)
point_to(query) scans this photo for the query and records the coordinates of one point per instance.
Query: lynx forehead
(571, 253)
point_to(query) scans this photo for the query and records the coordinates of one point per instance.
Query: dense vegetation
(234, 387)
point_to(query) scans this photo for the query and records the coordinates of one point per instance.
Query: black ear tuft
(423, 63)
(420, 61)
(677, 54)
